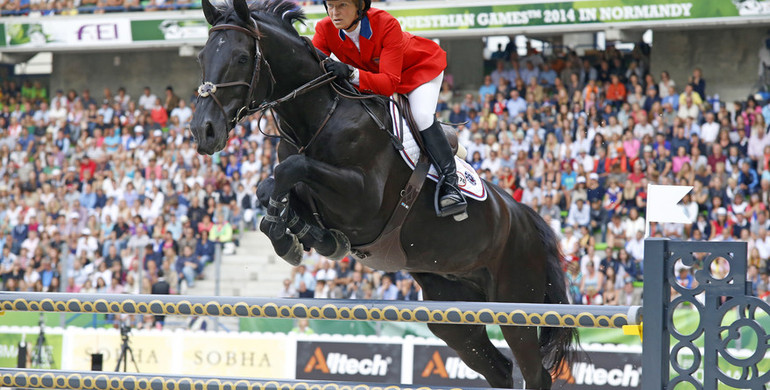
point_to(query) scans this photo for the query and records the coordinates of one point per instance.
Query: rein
(208, 89)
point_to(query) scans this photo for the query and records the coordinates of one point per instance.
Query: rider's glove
(340, 70)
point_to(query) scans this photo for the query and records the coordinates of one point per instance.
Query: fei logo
(348, 361)
(98, 32)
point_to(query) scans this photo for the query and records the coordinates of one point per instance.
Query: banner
(50, 351)
(535, 14)
(477, 16)
(152, 353)
(372, 363)
(68, 33)
(602, 370)
(169, 30)
(241, 356)
(439, 365)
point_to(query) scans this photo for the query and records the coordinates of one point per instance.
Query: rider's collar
(364, 29)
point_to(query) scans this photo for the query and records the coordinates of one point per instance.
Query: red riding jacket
(391, 60)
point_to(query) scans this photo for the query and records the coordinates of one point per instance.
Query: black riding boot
(448, 200)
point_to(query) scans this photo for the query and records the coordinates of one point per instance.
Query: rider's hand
(340, 70)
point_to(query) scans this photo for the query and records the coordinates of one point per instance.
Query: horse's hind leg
(469, 341)
(524, 343)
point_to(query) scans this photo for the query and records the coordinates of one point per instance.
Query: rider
(378, 57)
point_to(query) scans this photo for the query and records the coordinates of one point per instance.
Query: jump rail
(76, 380)
(488, 313)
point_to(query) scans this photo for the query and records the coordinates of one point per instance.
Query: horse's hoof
(343, 245)
(460, 217)
(293, 255)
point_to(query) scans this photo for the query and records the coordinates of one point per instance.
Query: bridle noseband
(209, 89)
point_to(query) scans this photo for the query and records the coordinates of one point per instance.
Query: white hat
(581, 179)
(721, 211)
(74, 215)
(138, 129)
(157, 133)
(593, 176)
(86, 231)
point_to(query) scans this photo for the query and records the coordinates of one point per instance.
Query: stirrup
(456, 209)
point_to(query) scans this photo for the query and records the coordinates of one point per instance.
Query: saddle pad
(467, 179)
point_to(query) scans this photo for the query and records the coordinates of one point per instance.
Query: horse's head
(233, 74)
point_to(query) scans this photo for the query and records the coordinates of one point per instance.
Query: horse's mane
(284, 12)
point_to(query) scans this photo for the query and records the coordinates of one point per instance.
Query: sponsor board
(68, 33)
(553, 13)
(602, 370)
(254, 357)
(51, 350)
(152, 353)
(170, 30)
(373, 363)
(438, 365)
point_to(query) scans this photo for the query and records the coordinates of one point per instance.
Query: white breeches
(423, 101)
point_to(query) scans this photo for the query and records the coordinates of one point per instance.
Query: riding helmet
(363, 6)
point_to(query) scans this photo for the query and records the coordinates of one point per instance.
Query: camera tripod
(41, 358)
(125, 350)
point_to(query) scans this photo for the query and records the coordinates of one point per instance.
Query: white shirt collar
(355, 35)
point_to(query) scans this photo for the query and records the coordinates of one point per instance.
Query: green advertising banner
(169, 29)
(561, 13)
(479, 16)
(50, 352)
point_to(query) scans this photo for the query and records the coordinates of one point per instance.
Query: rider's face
(342, 12)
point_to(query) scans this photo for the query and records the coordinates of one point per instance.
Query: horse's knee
(264, 190)
(288, 173)
(292, 167)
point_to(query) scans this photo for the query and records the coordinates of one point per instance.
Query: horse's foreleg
(274, 225)
(274, 194)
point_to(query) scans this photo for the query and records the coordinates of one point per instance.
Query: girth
(386, 250)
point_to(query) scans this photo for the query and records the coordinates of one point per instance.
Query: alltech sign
(374, 363)
(603, 370)
(437, 365)
(440, 366)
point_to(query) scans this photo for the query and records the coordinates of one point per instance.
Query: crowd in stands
(579, 139)
(76, 7)
(107, 194)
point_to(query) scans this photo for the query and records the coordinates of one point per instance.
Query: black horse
(339, 181)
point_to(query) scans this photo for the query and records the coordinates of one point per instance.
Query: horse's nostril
(210, 130)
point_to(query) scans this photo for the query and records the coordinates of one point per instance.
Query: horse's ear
(242, 10)
(212, 13)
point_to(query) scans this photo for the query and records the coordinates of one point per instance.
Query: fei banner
(66, 32)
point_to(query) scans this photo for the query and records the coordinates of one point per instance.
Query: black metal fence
(713, 285)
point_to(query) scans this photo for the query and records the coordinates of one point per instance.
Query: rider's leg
(423, 101)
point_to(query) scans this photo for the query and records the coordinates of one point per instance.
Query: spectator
(186, 267)
(388, 291)
(304, 282)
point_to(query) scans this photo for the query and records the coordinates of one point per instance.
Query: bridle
(209, 89)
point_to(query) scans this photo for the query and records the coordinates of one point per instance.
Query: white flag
(662, 204)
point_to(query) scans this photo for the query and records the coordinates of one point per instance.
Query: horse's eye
(243, 59)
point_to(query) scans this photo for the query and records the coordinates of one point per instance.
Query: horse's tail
(555, 343)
